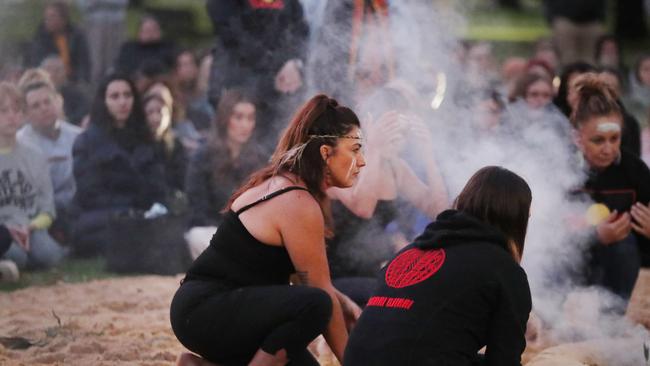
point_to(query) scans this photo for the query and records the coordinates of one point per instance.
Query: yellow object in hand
(597, 213)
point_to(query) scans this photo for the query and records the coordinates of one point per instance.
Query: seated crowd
(152, 143)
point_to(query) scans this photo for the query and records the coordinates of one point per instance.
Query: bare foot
(188, 359)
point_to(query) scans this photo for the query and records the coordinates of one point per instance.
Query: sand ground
(125, 321)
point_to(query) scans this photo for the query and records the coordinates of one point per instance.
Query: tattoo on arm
(303, 276)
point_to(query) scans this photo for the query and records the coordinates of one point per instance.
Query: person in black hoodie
(616, 179)
(457, 288)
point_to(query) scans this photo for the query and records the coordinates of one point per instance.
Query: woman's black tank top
(235, 258)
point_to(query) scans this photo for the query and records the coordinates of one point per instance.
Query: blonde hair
(33, 76)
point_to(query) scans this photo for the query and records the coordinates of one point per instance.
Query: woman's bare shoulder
(274, 184)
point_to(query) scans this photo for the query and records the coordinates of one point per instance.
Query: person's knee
(45, 251)
(17, 255)
(318, 306)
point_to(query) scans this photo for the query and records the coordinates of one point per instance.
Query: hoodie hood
(453, 227)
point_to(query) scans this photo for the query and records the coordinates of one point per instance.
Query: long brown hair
(217, 141)
(595, 98)
(318, 122)
(227, 102)
(501, 198)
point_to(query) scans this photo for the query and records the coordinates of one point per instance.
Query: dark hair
(562, 93)
(227, 102)
(524, 83)
(501, 198)
(595, 98)
(62, 8)
(320, 121)
(217, 142)
(135, 127)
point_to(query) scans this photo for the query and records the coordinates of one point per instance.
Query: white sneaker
(8, 271)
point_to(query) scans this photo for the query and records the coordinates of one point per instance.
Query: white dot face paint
(608, 127)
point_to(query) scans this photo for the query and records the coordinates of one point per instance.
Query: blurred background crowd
(125, 125)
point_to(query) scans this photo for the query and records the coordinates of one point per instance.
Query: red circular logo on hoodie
(414, 266)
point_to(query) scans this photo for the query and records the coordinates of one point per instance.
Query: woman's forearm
(336, 335)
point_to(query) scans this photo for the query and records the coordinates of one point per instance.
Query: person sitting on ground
(457, 288)
(116, 167)
(54, 138)
(619, 182)
(168, 145)
(8, 270)
(221, 165)
(275, 227)
(75, 102)
(26, 199)
(190, 138)
(197, 107)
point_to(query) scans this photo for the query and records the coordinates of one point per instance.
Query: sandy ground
(125, 321)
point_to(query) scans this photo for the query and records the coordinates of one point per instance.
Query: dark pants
(229, 326)
(616, 266)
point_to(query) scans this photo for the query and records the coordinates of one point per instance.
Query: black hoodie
(441, 299)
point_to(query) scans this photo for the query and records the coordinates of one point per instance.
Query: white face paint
(608, 127)
(351, 168)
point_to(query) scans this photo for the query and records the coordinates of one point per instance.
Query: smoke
(537, 145)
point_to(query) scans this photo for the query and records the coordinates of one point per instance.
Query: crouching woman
(457, 288)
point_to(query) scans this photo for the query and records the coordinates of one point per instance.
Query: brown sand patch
(125, 321)
(120, 321)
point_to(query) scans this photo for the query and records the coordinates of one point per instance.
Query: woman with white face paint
(618, 182)
(375, 218)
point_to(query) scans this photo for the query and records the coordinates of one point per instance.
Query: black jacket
(43, 45)
(134, 54)
(208, 192)
(621, 185)
(444, 297)
(111, 179)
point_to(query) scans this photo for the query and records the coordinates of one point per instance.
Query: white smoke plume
(425, 36)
